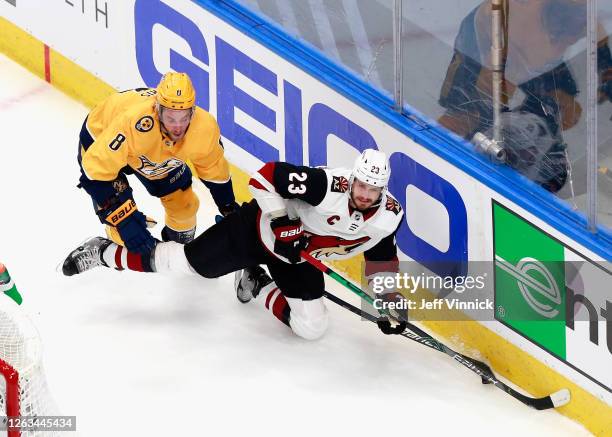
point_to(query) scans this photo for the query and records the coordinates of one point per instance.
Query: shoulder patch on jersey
(393, 206)
(339, 184)
(145, 124)
(120, 185)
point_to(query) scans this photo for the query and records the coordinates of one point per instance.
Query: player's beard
(362, 206)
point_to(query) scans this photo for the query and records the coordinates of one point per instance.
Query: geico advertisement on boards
(267, 108)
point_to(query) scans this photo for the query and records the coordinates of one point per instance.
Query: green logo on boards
(529, 281)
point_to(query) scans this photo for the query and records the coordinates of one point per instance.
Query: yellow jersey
(126, 131)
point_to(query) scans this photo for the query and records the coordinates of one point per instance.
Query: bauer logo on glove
(290, 238)
(292, 232)
(121, 213)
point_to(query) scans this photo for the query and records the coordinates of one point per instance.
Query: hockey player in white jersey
(330, 213)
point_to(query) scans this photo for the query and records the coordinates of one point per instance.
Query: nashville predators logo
(120, 185)
(339, 184)
(393, 206)
(323, 246)
(145, 124)
(153, 170)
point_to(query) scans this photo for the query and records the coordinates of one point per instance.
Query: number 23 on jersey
(295, 188)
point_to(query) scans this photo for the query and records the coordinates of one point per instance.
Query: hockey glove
(388, 329)
(397, 305)
(134, 233)
(290, 238)
(130, 223)
(226, 210)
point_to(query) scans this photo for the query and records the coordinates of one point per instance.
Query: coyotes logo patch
(145, 124)
(393, 206)
(323, 246)
(339, 184)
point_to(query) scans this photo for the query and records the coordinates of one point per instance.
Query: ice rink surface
(133, 354)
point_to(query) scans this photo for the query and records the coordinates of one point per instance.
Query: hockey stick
(414, 333)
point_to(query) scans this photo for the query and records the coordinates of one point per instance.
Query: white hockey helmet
(372, 167)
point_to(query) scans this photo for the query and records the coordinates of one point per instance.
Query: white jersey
(320, 198)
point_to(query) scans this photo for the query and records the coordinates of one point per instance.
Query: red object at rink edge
(47, 64)
(12, 394)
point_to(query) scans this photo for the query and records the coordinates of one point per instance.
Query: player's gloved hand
(290, 238)
(134, 233)
(397, 305)
(226, 210)
(389, 328)
(120, 211)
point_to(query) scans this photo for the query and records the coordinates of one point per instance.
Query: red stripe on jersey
(118, 257)
(256, 184)
(278, 309)
(134, 262)
(267, 171)
(370, 212)
(269, 297)
(47, 55)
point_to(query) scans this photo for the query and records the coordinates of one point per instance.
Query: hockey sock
(273, 300)
(118, 257)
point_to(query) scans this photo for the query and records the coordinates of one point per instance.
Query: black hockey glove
(388, 329)
(226, 210)
(290, 238)
(397, 305)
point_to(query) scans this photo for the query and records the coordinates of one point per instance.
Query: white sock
(108, 256)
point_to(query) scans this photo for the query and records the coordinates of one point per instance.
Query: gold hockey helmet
(175, 91)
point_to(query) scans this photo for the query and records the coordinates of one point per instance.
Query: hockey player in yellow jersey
(152, 133)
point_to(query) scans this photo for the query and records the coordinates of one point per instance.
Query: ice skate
(85, 257)
(249, 282)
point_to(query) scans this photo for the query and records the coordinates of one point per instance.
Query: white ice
(133, 354)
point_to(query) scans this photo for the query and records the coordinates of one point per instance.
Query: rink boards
(278, 104)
